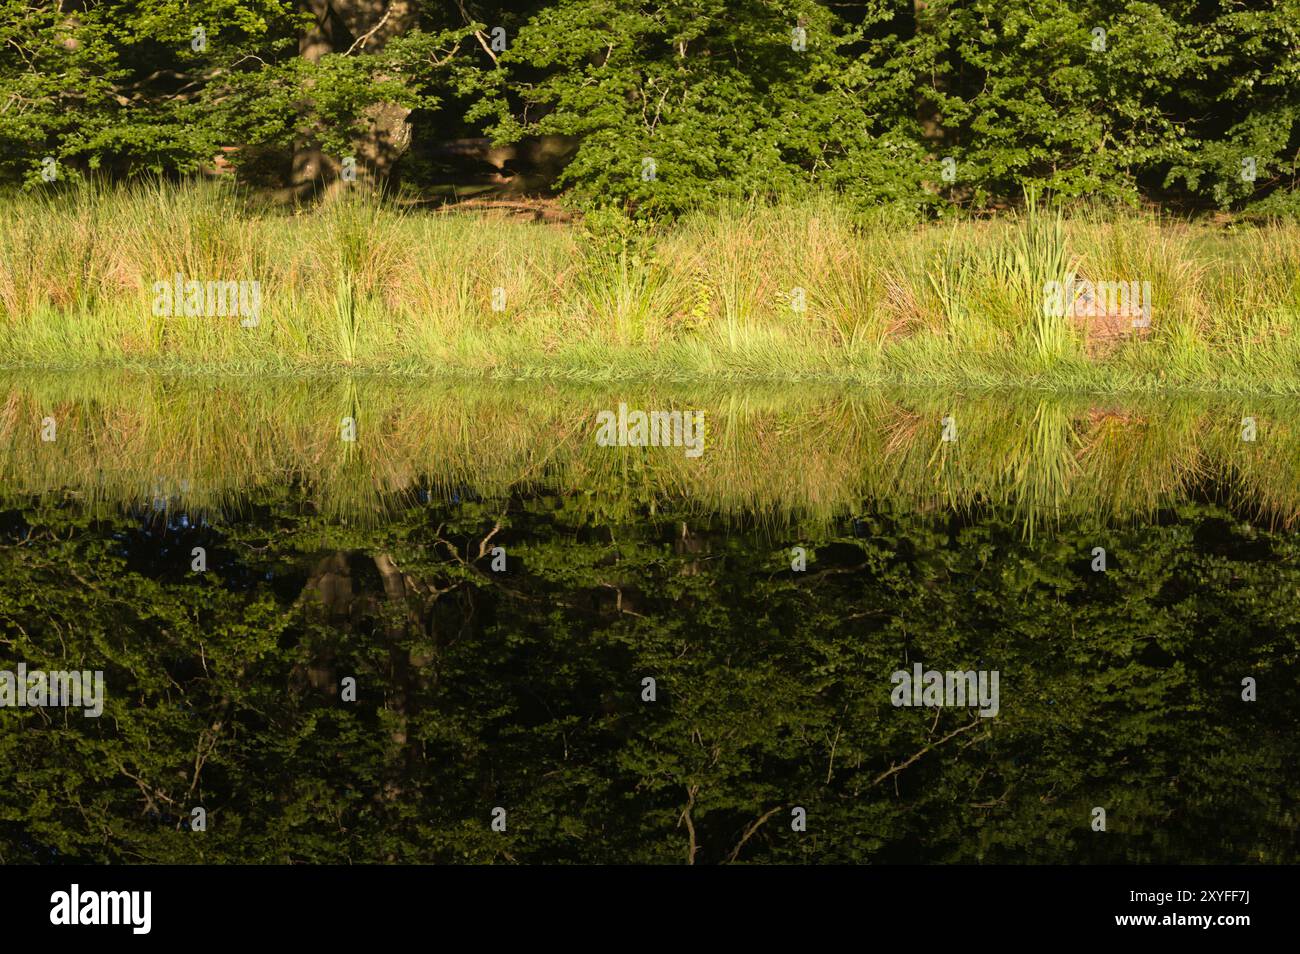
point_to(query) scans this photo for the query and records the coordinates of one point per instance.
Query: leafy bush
(678, 104)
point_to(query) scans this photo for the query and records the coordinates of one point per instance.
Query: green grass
(356, 285)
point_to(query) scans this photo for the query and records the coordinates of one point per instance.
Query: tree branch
(895, 769)
(749, 832)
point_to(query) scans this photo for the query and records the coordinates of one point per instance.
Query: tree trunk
(359, 27)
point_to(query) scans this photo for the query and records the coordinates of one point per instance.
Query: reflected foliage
(523, 689)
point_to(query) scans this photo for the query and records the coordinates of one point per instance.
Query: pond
(378, 619)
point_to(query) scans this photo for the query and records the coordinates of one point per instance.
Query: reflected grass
(775, 453)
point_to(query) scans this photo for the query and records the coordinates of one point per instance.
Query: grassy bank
(359, 286)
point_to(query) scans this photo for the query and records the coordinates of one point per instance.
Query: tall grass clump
(1036, 258)
(621, 288)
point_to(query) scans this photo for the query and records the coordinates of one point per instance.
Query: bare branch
(749, 832)
(361, 40)
(895, 769)
(691, 847)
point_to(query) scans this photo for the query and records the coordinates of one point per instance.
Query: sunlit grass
(798, 291)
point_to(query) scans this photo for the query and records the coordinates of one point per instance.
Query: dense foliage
(1117, 98)
(523, 689)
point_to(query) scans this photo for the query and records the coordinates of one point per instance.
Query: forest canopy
(664, 106)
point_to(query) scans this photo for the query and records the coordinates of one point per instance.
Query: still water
(376, 620)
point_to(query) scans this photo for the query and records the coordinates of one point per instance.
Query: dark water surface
(515, 679)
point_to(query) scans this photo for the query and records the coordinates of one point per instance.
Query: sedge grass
(794, 292)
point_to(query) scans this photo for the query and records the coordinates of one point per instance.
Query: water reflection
(517, 679)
